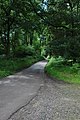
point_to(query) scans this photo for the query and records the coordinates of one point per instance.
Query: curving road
(31, 95)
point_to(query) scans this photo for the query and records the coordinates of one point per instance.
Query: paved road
(17, 90)
(51, 99)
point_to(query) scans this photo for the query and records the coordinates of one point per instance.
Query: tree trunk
(72, 20)
(31, 39)
(26, 38)
(8, 40)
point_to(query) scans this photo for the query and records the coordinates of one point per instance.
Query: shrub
(56, 61)
(75, 68)
(37, 46)
(12, 65)
(22, 51)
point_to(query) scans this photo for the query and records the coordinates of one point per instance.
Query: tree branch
(42, 17)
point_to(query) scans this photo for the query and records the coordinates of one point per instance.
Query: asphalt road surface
(17, 90)
(32, 95)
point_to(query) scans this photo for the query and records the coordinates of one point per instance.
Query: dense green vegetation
(62, 70)
(41, 28)
(20, 45)
(12, 65)
(24, 22)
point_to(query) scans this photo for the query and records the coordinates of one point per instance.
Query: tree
(15, 15)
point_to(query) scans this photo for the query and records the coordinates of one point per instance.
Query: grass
(69, 74)
(11, 66)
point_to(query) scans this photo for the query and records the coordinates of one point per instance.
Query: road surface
(32, 95)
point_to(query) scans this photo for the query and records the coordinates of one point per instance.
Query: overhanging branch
(42, 17)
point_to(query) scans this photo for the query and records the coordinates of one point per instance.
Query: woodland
(39, 29)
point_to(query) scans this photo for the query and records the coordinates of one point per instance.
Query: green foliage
(2, 50)
(39, 57)
(68, 48)
(75, 68)
(17, 24)
(37, 46)
(58, 47)
(43, 52)
(73, 48)
(3, 73)
(56, 68)
(56, 61)
(22, 23)
(48, 58)
(10, 66)
(22, 51)
(64, 29)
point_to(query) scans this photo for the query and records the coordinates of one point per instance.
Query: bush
(56, 61)
(56, 69)
(73, 49)
(37, 46)
(22, 51)
(12, 65)
(75, 68)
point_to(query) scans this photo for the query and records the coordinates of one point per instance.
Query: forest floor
(48, 99)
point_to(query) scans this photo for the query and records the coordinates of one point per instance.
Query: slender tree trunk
(72, 18)
(77, 17)
(72, 22)
(8, 40)
(26, 38)
(77, 8)
(31, 39)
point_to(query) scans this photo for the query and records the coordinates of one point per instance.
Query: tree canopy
(23, 22)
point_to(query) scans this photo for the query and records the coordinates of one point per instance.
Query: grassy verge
(70, 74)
(10, 66)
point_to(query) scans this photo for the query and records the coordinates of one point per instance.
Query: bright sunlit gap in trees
(44, 4)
